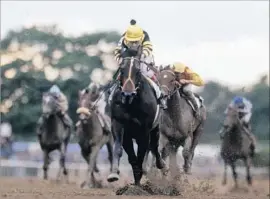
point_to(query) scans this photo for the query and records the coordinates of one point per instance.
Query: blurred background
(71, 43)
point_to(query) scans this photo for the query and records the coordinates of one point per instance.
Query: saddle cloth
(157, 92)
(154, 86)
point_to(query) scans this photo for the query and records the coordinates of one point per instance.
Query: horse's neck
(174, 109)
(51, 123)
(89, 126)
(146, 90)
(235, 134)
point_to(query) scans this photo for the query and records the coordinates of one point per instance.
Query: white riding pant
(187, 87)
(246, 117)
(101, 104)
(145, 69)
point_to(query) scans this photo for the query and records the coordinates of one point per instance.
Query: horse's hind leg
(117, 151)
(247, 162)
(154, 145)
(110, 151)
(45, 164)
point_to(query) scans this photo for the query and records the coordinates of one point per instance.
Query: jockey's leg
(221, 133)
(187, 90)
(151, 74)
(107, 126)
(247, 130)
(66, 119)
(112, 91)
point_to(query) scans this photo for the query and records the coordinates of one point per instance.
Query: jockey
(100, 103)
(244, 109)
(186, 77)
(136, 42)
(62, 107)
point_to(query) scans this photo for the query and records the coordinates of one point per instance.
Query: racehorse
(92, 134)
(54, 135)
(235, 145)
(178, 125)
(135, 113)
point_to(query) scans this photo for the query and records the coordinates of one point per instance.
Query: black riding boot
(247, 126)
(192, 98)
(162, 102)
(67, 120)
(111, 92)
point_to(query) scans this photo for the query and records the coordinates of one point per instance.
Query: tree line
(33, 59)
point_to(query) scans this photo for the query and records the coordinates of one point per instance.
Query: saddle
(199, 100)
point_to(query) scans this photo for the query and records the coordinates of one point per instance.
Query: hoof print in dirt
(148, 189)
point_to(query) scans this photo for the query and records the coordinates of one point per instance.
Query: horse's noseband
(130, 81)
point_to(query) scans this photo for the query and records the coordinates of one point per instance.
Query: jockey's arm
(118, 48)
(63, 102)
(195, 78)
(147, 46)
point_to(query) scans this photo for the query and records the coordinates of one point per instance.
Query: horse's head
(85, 105)
(49, 103)
(130, 78)
(231, 120)
(167, 81)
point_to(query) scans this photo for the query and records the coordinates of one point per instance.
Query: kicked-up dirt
(189, 188)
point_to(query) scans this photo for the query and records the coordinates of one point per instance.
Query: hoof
(113, 177)
(224, 182)
(249, 181)
(160, 164)
(187, 170)
(83, 184)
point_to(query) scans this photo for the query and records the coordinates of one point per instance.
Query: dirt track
(34, 188)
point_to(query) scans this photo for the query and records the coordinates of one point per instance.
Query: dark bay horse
(178, 126)
(235, 145)
(92, 135)
(54, 135)
(135, 113)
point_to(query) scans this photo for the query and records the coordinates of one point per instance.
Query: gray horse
(93, 133)
(235, 145)
(178, 125)
(53, 134)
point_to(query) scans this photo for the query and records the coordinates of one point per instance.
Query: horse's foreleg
(174, 169)
(138, 170)
(117, 151)
(186, 153)
(63, 169)
(46, 163)
(235, 176)
(91, 164)
(247, 162)
(196, 136)
(224, 181)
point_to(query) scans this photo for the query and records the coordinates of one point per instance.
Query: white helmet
(55, 89)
